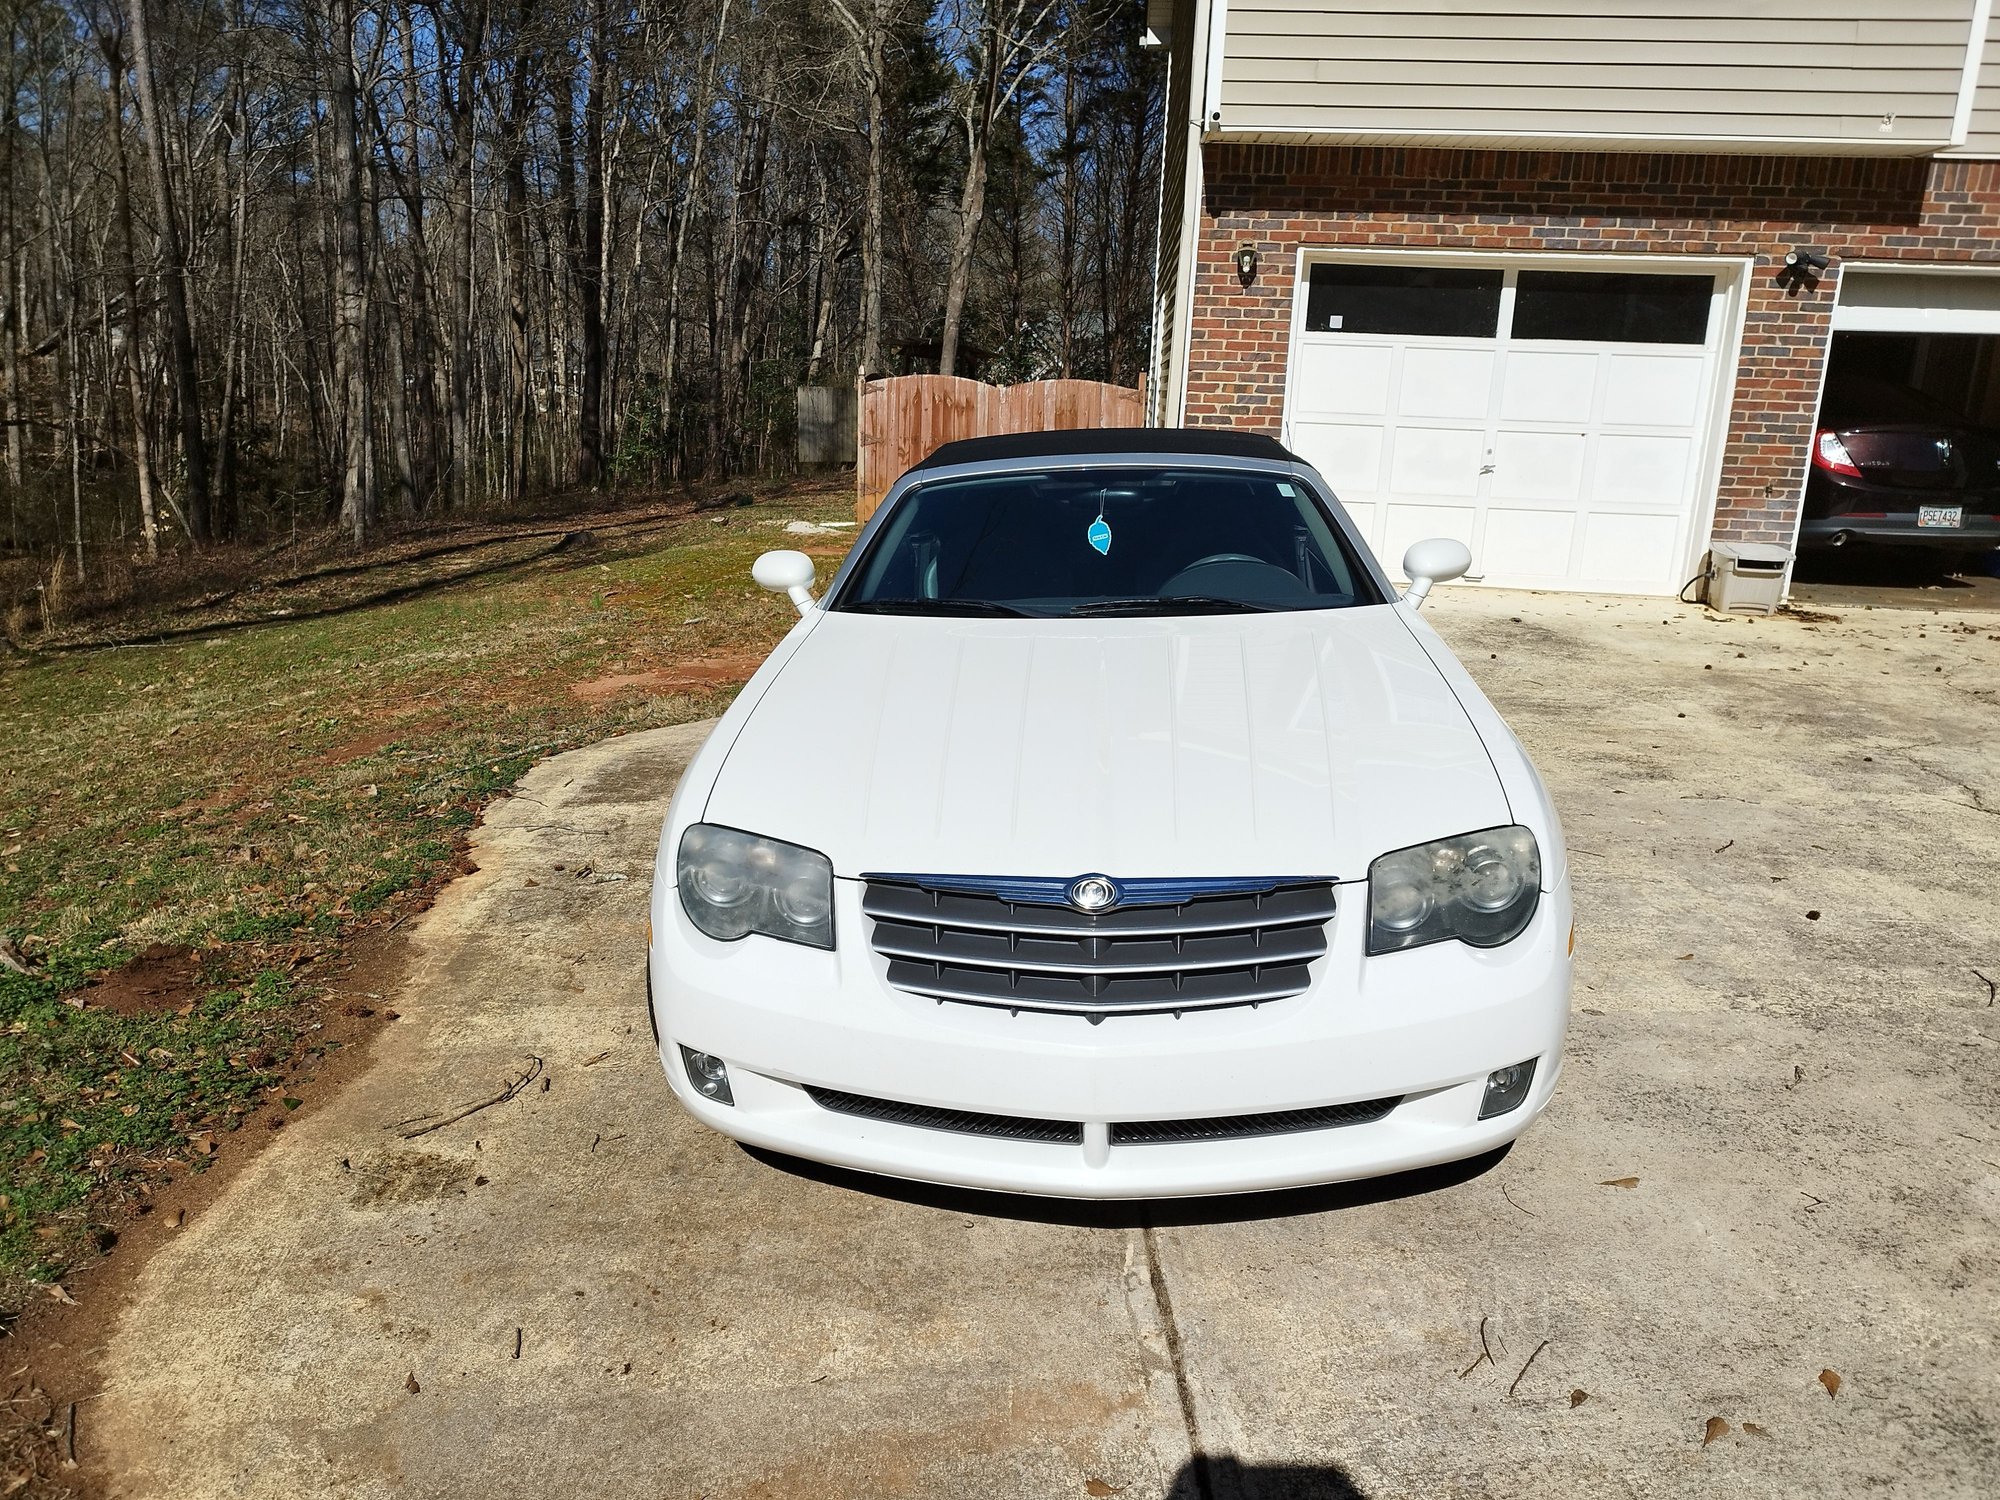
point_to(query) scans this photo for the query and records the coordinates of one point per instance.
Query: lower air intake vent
(965, 1122)
(1126, 1133)
(1235, 1127)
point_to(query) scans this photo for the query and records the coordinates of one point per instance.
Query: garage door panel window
(1404, 301)
(1612, 307)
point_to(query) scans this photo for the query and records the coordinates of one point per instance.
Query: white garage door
(1900, 300)
(1553, 419)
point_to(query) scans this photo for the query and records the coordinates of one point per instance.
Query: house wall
(1285, 198)
(1846, 75)
(1983, 139)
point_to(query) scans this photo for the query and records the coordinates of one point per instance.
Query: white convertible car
(1110, 828)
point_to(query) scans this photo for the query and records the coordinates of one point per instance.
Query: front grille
(1125, 1133)
(1235, 1127)
(965, 1122)
(1172, 946)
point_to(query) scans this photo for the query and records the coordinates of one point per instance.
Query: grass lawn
(226, 810)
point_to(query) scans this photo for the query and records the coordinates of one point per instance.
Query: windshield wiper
(1171, 604)
(933, 607)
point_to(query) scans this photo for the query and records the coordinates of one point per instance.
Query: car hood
(1300, 744)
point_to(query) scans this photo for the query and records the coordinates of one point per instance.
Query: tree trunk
(515, 230)
(142, 453)
(463, 108)
(350, 325)
(10, 300)
(237, 145)
(590, 265)
(971, 208)
(871, 231)
(173, 284)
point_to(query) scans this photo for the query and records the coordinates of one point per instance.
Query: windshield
(1075, 542)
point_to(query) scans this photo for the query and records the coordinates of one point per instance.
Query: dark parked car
(1891, 464)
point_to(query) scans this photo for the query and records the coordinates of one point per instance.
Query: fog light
(1505, 1088)
(707, 1074)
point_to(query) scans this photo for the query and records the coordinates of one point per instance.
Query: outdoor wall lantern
(1805, 262)
(1246, 264)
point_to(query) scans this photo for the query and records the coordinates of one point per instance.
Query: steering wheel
(1222, 557)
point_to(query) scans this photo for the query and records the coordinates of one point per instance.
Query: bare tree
(287, 264)
(173, 282)
(999, 44)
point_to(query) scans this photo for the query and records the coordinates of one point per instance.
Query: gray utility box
(1746, 577)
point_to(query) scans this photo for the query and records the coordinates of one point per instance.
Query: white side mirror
(1437, 560)
(790, 573)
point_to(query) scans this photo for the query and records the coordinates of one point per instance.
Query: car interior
(1057, 542)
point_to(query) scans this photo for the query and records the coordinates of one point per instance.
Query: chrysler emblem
(1092, 893)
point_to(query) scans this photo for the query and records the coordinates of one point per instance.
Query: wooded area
(277, 264)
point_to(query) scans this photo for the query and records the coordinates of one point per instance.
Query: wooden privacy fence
(906, 417)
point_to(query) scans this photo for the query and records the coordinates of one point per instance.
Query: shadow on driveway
(1896, 577)
(1142, 1213)
(1207, 1478)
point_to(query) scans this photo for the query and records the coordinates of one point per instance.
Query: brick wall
(1281, 197)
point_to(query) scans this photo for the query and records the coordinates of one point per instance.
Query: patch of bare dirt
(391, 1177)
(683, 677)
(161, 978)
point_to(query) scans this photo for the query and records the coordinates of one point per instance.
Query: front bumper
(1428, 1025)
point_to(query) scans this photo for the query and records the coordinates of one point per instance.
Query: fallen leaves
(1620, 1182)
(1716, 1428)
(1577, 1397)
(1831, 1381)
(1100, 1489)
(410, 1383)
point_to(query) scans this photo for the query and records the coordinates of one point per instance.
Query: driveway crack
(1197, 1455)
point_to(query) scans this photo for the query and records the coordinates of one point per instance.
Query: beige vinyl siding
(1860, 75)
(1983, 139)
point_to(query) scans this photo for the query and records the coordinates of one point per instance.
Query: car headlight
(734, 883)
(1480, 888)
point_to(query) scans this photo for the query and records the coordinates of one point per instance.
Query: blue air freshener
(1099, 535)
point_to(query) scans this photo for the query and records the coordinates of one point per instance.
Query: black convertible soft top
(1220, 442)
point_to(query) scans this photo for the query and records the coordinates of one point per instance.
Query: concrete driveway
(1775, 1153)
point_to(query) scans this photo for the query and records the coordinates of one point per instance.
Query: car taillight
(1830, 454)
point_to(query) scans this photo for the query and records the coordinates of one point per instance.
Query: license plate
(1940, 515)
